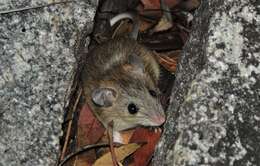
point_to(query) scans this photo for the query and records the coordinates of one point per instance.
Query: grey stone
(36, 64)
(214, 115)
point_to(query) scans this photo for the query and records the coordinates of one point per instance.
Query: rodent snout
(158, 119)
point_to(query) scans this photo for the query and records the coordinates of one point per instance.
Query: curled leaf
(144, 154)
(169, 60)
(121, 153)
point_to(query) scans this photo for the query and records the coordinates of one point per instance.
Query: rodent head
(128, 97)
(128, 107)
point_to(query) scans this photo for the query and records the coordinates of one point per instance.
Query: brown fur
(108, 66)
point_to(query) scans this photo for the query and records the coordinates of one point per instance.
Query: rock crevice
(214, 114)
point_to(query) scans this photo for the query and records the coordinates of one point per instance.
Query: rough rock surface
(36, 62)
(214, 117)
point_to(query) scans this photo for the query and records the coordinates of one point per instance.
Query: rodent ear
(104, 97)
(137, 63)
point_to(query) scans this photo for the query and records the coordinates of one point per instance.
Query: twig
(83, 149)
(34, 7)
(69, 125)
(119, 17)
(67, 121)
(110, 139)
(128, 15)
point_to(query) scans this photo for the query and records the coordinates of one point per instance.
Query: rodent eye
(132, 108)
(153, 93)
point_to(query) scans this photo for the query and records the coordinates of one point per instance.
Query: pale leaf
(121, 153)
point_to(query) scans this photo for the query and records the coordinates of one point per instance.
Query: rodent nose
(159, 119)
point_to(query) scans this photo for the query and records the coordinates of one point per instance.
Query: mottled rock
(214, 116)
(36, 62)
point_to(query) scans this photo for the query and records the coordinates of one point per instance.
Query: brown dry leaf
(168, 63)
(152, 8)
(151, 14)
(163, 41)
(163, 25)
(151, 4)
(145, 25)
(144, 154)
(155, 4)
(126, 135)
(190, 4)
(121, 153)
(89, 131)
(169, 60)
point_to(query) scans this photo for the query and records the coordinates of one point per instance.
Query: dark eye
(132, 108)
(153, 93)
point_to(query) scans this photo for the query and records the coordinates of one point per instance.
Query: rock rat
(120, 84)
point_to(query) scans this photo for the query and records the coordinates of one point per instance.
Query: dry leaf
(90, 130)
(189, 4)
(126, 135)
(145, 25)
(121, 153)
(151, 14)
(144, 154)
(169, 60)
(151, 4)
(155, 4)
(163, 25)
(163, 41)
(152, 8)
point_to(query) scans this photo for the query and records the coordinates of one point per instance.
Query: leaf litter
(164, 27)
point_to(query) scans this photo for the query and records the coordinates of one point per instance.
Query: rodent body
(120, 84)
